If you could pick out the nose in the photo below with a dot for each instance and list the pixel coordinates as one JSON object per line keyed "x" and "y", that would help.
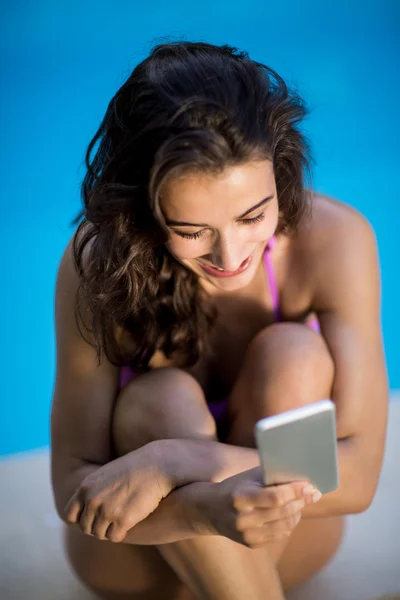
{"x": 228, "y": 252}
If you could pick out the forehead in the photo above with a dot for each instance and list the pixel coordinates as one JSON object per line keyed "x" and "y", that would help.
{"x": 235, "y": 190}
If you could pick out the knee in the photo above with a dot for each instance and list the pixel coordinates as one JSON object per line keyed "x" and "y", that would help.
{"x": 292, "y": 363}
{"x": 163, "y": 403}
{"x": 300, "y": 346}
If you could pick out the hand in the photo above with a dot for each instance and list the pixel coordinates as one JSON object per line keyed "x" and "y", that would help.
{"x": 119, "y": 494}
{"x": 246, "y": 511}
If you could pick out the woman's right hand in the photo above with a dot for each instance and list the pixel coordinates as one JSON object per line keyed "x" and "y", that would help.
{"x": 245, "y": 511}
{"x": 120, "y": 494}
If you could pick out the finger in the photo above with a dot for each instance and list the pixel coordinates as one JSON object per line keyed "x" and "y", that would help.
{"x": 260, "y": 516}
{"x": 303, "y": 488}
{"x": 116, "y": 533}
{"x": 112, "y": 527}
{"x": 87, "y": 517}
{"x": 287, "y": 492}
{"x": 256, "y": 496}
{"x": 256, "y": 537}
{"x": 73, "y": 509}
{"x": 282, "y": 526}
{"x": 100, "y": 526}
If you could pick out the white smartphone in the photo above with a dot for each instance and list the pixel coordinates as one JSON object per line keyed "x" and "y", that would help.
{"x": 300, "y": 444}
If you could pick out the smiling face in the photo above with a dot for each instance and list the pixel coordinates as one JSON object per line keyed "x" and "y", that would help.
{"x": 219, "y": 224}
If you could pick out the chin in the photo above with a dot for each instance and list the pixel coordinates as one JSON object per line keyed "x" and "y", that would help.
{"x": 230, "y": 288}
{"x": 231, "y": 284}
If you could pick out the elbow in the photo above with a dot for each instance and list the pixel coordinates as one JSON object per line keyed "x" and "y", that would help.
{"x": 360, "y": 505}
{"x": 361, "y": 498}
{"x": 361, "y": 473}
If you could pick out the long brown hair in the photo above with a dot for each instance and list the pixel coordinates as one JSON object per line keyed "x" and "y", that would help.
{"x": 187, "y": 107}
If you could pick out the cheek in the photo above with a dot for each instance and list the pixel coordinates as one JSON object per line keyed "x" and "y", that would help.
{"x": 271, "y": 222}
{"x": 264, "y": 230}
{"x": 261, "y": 232}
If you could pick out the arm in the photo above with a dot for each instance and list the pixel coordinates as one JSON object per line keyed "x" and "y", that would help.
{"x": 83, "y": 398}
{"x": 348, "y": 305}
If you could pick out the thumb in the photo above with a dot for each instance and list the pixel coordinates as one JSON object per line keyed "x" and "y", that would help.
{"x": 295, "y": 489}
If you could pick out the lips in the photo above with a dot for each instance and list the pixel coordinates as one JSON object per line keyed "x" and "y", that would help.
{"x": 215, "y": 272}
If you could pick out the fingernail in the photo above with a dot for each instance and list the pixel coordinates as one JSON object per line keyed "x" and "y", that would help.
{"x": 316, "y": 496}
{"x": 308, "y": 489}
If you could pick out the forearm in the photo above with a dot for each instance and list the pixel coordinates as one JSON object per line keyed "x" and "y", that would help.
{"x": 198, "y": 460}
{"x": 352, "y": 495}
{"x": 179, "y": 516}
{"x": 188, "y": 461}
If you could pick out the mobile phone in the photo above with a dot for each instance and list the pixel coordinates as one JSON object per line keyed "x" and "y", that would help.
{"x": 300, "y": 444}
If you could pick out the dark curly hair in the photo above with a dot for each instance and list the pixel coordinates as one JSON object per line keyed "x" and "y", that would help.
{"x": 187, "y": 107}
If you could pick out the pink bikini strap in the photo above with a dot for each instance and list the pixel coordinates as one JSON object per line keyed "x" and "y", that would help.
{"x": 271, "y": 278}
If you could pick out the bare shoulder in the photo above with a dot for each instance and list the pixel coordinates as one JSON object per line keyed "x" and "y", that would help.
{"x": 338, "y": 247}
{"x": 68, "y": 283}
{"x": 333, "y": 233}
{"x": 67, "y": 269}
{"x": 333, "y": 224}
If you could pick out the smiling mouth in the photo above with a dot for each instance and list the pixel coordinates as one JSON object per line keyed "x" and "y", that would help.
{"x": 219, "y": 272}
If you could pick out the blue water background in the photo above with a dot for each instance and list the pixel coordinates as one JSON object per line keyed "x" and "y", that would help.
{"x": 60, "y": 64}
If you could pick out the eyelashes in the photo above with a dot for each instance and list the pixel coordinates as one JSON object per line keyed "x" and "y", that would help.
{"x": 198, "y": 234}
{"x": 190, "y": 236}
{"x": 257, "y": 219}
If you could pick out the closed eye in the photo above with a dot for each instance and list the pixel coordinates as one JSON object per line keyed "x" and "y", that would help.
{"x": 256, "y": 219}
{"x": 190, "y": 236}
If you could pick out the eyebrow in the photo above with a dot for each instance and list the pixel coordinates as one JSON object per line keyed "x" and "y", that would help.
{"x": 250, "y": 210}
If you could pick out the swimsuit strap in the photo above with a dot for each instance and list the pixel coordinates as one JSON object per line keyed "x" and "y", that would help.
{"x": 271, "y": 278}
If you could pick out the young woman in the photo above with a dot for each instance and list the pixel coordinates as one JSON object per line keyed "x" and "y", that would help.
{"x": 205, "y": 288}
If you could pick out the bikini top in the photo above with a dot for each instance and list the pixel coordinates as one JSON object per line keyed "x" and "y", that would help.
{"x": 271, "y": 278}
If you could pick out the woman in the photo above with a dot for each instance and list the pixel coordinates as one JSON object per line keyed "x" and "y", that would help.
{"x": 205, "y": 288}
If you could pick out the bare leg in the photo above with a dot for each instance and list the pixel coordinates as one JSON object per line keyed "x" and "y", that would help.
{"x": 121, "y": 571}
{"x": 288, "y": 366}
{"x": 170, "y": 404}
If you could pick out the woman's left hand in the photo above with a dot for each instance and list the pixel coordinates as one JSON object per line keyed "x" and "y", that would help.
{"x": 120, "y": 494}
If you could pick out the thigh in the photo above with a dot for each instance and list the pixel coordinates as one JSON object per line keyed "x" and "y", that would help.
{"x": 121, "y": 571}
